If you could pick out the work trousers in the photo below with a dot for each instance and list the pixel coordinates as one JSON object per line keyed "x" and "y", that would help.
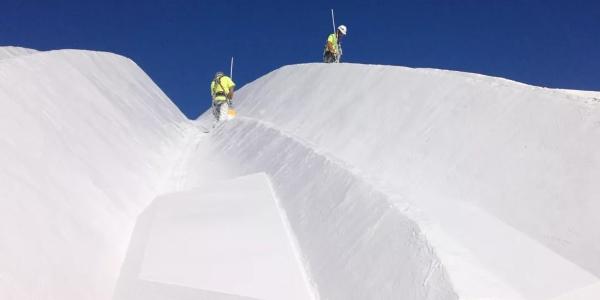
{"x": 220, "y": 109}
{"x": 328, "y": 57}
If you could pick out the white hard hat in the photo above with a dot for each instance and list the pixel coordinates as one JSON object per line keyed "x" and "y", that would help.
{"x": 342, "y": 29}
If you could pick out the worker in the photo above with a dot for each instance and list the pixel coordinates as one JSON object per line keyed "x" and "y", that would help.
{"x": 221, "y": 90}
{"x": 333, "y": 48}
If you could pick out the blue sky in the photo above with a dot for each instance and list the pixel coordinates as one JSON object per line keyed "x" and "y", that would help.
{"x": 181, "y": 44}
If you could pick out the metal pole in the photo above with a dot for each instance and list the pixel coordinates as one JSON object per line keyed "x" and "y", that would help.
{"x": 333, "y": 20}
{"x": 339, "y": 45}
{"x": 231, "y": 69}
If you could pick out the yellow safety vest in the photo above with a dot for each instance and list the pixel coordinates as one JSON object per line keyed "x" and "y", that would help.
{"x": 220, "y": 87}
{"x": 332, "y": 38}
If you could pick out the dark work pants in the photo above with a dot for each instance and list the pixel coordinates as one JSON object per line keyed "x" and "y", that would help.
{"x": 328, "y": 57}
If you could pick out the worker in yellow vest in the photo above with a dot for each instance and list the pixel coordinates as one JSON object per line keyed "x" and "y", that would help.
{"x": 221, "y": 90}
{"x": 333, "y": 48}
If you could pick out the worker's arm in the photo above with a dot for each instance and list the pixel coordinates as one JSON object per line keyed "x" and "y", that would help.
{"x": 231, "y": 86}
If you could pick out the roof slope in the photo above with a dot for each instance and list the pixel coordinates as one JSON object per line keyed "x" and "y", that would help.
{"x": 85, "y": 139}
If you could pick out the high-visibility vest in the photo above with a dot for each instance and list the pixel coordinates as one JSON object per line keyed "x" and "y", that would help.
{"x": 332, "y": 38}
{"x": 220, "y": 87}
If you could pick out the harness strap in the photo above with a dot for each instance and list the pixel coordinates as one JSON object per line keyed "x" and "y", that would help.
{"x": 218, "y": 81}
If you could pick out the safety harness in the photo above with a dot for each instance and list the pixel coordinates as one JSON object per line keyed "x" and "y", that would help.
{"x": 218, "y": 81}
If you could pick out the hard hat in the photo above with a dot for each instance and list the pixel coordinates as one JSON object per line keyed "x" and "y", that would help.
{"x": 219, "y": 74}
{"x": 342, "y": 29}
